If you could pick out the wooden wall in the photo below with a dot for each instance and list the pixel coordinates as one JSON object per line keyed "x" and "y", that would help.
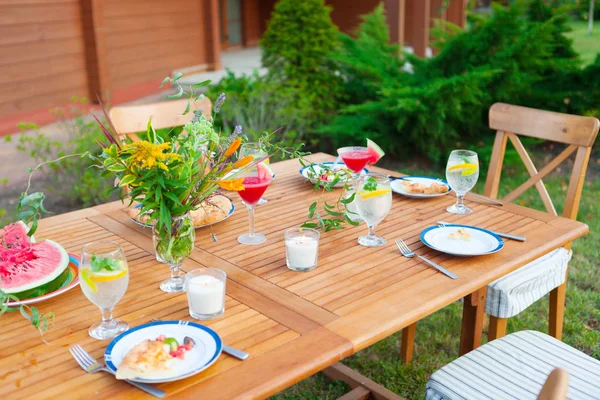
{"x": 346, "y": 14}
{"x": 42, "y": 61}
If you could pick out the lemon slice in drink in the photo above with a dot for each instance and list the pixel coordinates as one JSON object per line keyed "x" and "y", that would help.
{"x": 465, "y": 168}
{"x": 367, "y": 195}
{"x": 107, "y": 276}
{"x": 85, "y": 275}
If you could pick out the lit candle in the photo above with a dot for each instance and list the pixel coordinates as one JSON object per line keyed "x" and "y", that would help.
{"x": 302, "y": 249}
{"x": 206, "y": 293}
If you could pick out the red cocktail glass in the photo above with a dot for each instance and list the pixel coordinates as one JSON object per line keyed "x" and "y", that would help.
{"x": 255, "y": 184}
{"x": 356, "y": 158}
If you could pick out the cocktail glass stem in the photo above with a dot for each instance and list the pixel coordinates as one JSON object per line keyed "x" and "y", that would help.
{"x": 251, "y": 220}
{"x": 460, "y": 201}
{"x": 371, "y": 231}
{"x": 107, "y": 318}
{"x": 175, "y": 283}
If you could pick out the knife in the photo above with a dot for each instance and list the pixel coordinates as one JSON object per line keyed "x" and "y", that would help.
{"x": 501, "y": 234}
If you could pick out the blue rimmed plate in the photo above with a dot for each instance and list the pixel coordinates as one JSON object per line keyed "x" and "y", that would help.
{"x": 313, "y": 173}
{"x": 204, "y": 353}
{"x": 482, "y": 241}
{"x": 398, "y": 186}
{"x": 70, "y": 282}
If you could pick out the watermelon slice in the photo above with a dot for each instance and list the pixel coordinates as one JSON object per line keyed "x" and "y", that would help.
{"x": 29, "y": 269}
{"x": 375, "y": 151}
{"x": 264, "y": 171}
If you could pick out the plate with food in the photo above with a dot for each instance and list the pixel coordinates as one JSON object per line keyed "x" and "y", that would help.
{"x": 461, "y": 240}
{"x": 327, "y": 172}
{"x": 163, "y": 351}
{"x": 34, "y": 271}
{"x": 213, "y": 210}
{"x": 420, "y": 186}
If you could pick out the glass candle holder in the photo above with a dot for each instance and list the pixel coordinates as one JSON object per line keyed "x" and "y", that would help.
{"x": 301, "y": 249}
{"x": 205, "y": 288}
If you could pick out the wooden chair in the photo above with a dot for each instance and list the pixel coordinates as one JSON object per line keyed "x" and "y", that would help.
{"x": 579, "y": 133}
{"x": 128, "y": 120}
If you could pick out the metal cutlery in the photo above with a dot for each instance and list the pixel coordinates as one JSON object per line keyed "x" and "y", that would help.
{"x": 232, "y": 351}
{"x": 89, "y": 364}
{"x": 406, "y": 252}
{"x": 501, "y": 234}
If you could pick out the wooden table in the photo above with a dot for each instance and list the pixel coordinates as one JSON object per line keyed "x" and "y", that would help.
{"x": 293, "y": 324}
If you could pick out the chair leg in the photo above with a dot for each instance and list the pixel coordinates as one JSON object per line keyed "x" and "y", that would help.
{"x": 497, "y": 328}
{"x": 408, "y": 343}
{"x": 557, "y": 311}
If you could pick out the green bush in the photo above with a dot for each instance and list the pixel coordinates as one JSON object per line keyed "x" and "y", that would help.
{"x": 518, "y": 55}
{"x": 297, "y": 44}
{"x": 73, "y": 179}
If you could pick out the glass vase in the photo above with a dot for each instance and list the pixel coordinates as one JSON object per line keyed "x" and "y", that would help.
{"x": 173, "y": 245}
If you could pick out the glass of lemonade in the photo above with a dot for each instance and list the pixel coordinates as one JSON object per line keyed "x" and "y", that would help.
{"x": 256, "y": 150}
{"x": 104, "y": 276}
{"x": 373, "y": 202}
{"x": 462, "y": 172}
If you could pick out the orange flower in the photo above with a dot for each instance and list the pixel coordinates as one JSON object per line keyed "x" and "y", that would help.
{"x": 242, "y": 162}
{"x": 234, "y": 185}
{"x": 233, "y": 147}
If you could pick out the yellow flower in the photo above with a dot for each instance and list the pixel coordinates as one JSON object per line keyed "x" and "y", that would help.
{"x": 242, "y": 162}
{"x": 232, "y": 184}
{"x": 233, "y": 147}
{"x": 147, "y": 155}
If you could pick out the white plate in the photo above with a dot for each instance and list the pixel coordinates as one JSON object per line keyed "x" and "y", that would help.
{"x": 204, "y": 353}
{"x": 317, "y": 169}
{"x": 482, "y": 241}
{"x": 399, "y": 188}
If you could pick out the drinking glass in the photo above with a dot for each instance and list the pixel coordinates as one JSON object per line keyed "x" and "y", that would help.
{"x": 373, "y": 202}
{"x": 104, "y": 276}
{"x": 205, "y": 288}
{"x": 462, "y": 172}
{"x": 301, "y": 249}
{"x": 355, "y": 157}
{"x": 256, "y": 150}
{"x": 255, "y": 185}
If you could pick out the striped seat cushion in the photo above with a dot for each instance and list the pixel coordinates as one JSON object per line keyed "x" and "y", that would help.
{"x": 511, "y": 294}
{"x": 515, "y": 367}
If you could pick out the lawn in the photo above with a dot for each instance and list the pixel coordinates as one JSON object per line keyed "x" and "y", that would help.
{"x": 588, "y": 46}
{"x": 438, "y": 335}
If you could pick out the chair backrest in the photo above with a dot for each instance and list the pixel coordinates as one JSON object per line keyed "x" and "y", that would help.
{"x": 130, "y": 119}
{"x": 556, "y": 386}
{"x": 579, "y": 133}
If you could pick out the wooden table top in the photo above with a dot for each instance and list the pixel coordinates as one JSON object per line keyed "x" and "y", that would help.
{"x": 292, "y": 324}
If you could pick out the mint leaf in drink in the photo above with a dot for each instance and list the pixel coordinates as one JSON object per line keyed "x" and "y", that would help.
{"x": 370, "y": 184}
{"x": 107, "y": 264}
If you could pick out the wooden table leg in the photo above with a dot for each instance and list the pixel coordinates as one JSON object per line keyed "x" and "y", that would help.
{"x": 472, "y": 321}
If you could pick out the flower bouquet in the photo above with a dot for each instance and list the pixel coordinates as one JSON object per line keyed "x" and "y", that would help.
{"x": 170, "y": 174}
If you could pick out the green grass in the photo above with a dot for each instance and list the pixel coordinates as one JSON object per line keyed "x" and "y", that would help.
{"x": 588, "y": 46}
{"x": 438, "y": 335}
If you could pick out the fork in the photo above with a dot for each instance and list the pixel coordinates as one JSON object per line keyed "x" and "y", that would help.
{"x": 89, "y": 364}
{"x": 406, "y": 252}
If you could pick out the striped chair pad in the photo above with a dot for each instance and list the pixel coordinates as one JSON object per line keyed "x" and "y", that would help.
{"x": 515, "y": 367}
{"x": 511, "y": 294}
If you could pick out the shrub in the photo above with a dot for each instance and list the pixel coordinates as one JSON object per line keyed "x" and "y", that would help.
{"x": 73, "y": 178}
{"x": 518, "y": 55}
{"x": 296, "y": 47}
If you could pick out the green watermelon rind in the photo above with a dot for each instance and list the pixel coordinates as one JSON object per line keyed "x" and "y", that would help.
{"x": 44, "y": 289}
{"x": 44, "y": 284}
{"x": 375, "y": 151}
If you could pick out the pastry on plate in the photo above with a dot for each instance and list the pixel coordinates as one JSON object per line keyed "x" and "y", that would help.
{"x": 422, "y": 188}
{"x": 147, "y": 359}
{"x": 460, "y": 234}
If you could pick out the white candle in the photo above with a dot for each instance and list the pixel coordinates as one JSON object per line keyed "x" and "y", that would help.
{"x": 206, "y": 294}
{"x": 302, "y": 252}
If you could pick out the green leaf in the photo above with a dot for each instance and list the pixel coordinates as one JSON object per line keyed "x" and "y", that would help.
{"x": 187, "y": 109}
{"x": 201, "y": 84}
{"x": 348, "y": 200}
{"x": 333, "y": 213}
{"x": 348, "y": 220}
{"x": 176, "y": 95}
{"x": 177, "y": 76}
{"x": 164, "y": 81}
{"x": 328, "y": 206}
{"x": 126, "y": 180}
{"x": 310, "y": 225}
